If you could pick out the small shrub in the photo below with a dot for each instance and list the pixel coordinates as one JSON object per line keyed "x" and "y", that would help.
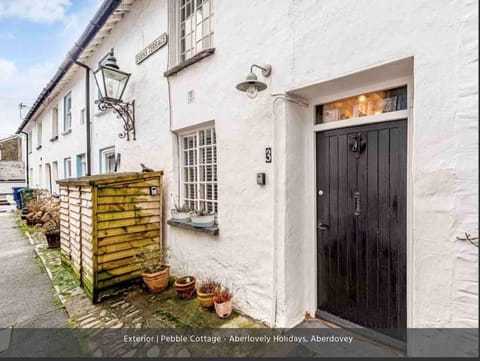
{"x": 209, "y": 286}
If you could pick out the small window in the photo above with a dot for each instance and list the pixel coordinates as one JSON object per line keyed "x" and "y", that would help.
{"x": 40, "y": 175}
{"x": 29, "y": 142}
{"x": 67, "y": 167}
{"x": 39, "y": 135}
{"x": 368, "y": 104}
{"x": 195, "y": 27}
{"x": 81, "y": 165}
{"x": 107, "y": 160}
{"x": 199, "y": 174}
{"x": 82, "y": 116}
{"x": 54, "y": 122}
{"x": 67, "y": 112}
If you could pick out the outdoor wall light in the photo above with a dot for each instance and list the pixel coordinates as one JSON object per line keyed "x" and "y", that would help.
{"x": 252, "y": 85}
{"x": 111, "y": 83}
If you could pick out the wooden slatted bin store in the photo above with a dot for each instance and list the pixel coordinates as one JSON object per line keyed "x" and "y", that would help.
{"x": 104, "y": 220}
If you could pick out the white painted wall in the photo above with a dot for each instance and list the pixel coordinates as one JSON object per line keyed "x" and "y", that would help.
{"x": 307, "y": 42}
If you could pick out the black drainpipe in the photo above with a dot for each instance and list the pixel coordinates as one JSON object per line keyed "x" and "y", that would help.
{"x": 87, "y": 115}
{"x": 26, "y": 159}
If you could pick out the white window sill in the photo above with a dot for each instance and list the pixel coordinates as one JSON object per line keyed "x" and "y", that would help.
{"x": 67, "y": 132}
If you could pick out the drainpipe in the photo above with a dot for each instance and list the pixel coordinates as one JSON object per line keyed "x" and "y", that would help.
{"x": 87, "y": 115}
{"x": 26, "y": 159}
{"x": 50, "y": 177}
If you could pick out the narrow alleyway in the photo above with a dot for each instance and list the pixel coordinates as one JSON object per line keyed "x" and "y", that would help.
{"x": 25, "y": 290}
{"x": 26, "y": 299}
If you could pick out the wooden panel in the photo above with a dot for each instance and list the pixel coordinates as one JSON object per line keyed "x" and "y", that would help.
{"x": 119, "y": 279}
{"x": 124, "y": 191}
{"x": 107, "y": 208}
{"x": 126, "y": 230}
{"x": 127, "y": 214}
{"x": 116, "y": 255}
{"x": 127, "y": 199}
{"x": 362, "y": 252}
{"x": 114, "y": 273}
{"x": 154, "y": 182}
{"x": 107, "y": 219}
{"x": 127, "y": 222}
{"x": 128, "y": 237}
{"x": 114, "y": 264}
{"x": 127, "y": 245}
{"x": 372, "y": 229}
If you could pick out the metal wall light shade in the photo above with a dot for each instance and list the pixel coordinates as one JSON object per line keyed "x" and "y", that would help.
{"x": 251, "y": 86}
{"x": 111, "y": 83}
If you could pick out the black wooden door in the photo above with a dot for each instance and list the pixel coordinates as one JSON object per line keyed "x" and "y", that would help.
{"x": 361, "y": 215}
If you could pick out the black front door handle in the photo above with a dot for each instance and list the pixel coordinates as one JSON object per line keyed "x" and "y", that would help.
{"x": 322, "y": 226}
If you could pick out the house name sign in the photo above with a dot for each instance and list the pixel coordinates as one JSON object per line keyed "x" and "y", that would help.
{"x": 155, "y": 45}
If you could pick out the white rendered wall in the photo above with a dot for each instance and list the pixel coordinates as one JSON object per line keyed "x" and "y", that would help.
{"x": 306, "y": 42}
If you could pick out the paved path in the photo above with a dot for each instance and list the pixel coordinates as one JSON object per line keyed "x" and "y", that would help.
{"x": 26, "y": 296}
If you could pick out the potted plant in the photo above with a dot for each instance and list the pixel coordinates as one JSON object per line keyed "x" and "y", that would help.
{"x": 180, "y": 214}
{"x": 24, "y": 213}
{"x": 185, "y": 287}
{"x": 206, "y": 291}
{"x": 203, "y": 218}
{"x": 52, "y": 233}
{"x": 223, "y": 302}
{"x": 151, "y": 261}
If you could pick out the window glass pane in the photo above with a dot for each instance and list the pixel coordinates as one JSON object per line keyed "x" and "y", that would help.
{"x": 199, "y": 174}
{"x": 374, "y": 103}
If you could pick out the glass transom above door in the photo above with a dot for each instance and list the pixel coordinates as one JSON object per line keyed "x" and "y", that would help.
{"x": 361, "y": 105}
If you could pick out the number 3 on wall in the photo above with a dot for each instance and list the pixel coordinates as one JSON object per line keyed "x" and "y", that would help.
{"x": 268, "y": 155}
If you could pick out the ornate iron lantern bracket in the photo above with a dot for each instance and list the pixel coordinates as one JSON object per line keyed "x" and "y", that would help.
{"x": 124, "y": 111}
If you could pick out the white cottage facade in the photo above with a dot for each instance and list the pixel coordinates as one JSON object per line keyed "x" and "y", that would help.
{"x": 275, "y": 240}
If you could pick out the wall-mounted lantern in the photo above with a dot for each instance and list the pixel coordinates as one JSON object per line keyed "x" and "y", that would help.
{"x": 111, "y": 83}
{"x": 252, "y": 85}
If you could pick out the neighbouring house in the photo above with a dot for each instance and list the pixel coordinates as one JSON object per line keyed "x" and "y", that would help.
{"x": 339, "y": 190}
{"x": 12, "y": 168}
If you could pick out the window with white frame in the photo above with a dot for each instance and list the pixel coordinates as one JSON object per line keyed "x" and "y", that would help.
{"x": 195, "y": 27}
{"x": 39, "y": 135}
{"x": 82, "y": 116}
{"x": 54, "y": 122}
{"x": 199, "y": 163}
{"x": 107, "y": 160}
{"x": 67, "y": 167}
{"x": 67, "y": 112}
{"x": 29, "y": 142}
{"x": 81, "y": 165}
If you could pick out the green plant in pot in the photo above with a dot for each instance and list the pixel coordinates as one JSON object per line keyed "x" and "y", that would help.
{"x": 205, "y": 292}
{"x": 52, "y": 233}
{"x": 151, "y": 261}
{"x": 202, "y": 218}
{"x": 180, "y": 214}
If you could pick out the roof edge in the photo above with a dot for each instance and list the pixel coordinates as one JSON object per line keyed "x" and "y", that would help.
{"x": 95, "y": 24}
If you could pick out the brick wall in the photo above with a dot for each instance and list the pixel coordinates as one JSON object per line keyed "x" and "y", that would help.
{"x": 11, "y": 149}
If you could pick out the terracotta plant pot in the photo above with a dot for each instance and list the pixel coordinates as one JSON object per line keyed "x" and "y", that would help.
{"x": 223, "y": 310}
{"x": 206, "y": 299}
{"x": 185, "y": 287}
{"x": 53, "y": 238}
{"x": 158, "y": 281}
